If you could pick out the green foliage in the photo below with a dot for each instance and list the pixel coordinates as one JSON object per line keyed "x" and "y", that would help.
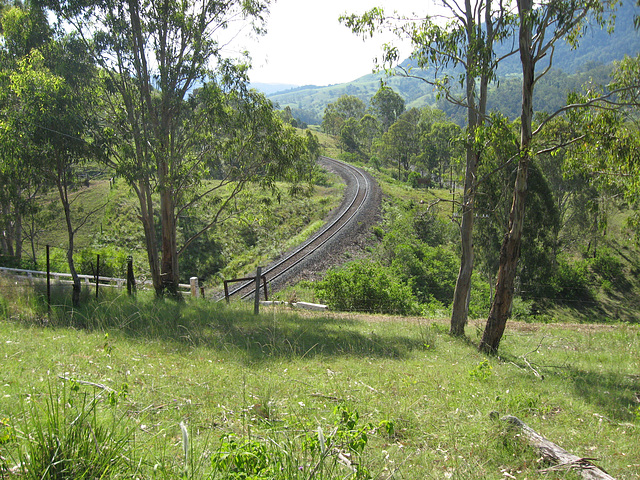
{"x": 431, "y": 271}
{"x": 413, "y": 178}
{"x": 205, "y": 255}
{"x": 482, "y": 371}
{"x": 415, "y": 246}
{"x": 317, "y": 452}
{"x": 72, "y": 434}
{"x": 387, "y": 106}
{"x": 7, "y": 432}
{"x": 606, "y": 265}
{"x": 243, "y": 459}
{"x": 337, "y": 113}
{"x": 366, "y": 287}
{"x": 113, "y": 262}
{"x": 570, "y": 281}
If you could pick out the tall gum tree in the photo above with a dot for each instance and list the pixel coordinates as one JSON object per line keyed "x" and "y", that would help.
{"x": 540, "y": 26}
{"x": 154, "y": 57}
{"x": 22, "y": 29}
{"x": 463, "y": 41}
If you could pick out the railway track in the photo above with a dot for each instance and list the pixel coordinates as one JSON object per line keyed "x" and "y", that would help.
{"x": 357, "y": 198}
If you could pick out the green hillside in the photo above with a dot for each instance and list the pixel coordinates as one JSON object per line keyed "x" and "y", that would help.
{"x": 571, "y": 68}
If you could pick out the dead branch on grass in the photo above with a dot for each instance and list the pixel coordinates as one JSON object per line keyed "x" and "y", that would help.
{"x": 556, "y": 455}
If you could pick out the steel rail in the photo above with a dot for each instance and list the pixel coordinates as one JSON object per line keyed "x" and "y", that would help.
{"x": 350, "y": 207}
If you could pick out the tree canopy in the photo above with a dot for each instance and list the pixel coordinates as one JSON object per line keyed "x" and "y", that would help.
{"x": 173, "y": 101}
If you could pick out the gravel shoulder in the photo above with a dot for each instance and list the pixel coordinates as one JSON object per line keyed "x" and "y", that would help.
{"x": 350, "y": 243}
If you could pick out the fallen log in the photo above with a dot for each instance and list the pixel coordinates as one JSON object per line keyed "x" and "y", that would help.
{"x": 559, "y": 457}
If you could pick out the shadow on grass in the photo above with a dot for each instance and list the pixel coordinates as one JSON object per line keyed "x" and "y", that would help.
{"x": 235, "y": 330}
{"x": 614, "y": 394}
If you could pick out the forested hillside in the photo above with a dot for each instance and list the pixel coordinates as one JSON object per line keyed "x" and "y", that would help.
{"x": 597, "y": 50}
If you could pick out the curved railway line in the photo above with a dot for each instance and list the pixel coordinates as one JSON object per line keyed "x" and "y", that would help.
{"x": 361, "y": 195}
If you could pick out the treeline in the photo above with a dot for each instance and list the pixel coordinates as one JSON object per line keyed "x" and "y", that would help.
{"x": 421, "y": 145}
{"x": 565, "y": 257}
{"x": 147, "y": 95}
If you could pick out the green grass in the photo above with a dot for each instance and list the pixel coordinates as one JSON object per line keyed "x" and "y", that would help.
{"x": 396, "y": 396}
{"x": 262, "y": 229}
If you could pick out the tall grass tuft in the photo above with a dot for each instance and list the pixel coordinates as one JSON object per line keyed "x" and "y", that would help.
{"x": 70, "y": 434}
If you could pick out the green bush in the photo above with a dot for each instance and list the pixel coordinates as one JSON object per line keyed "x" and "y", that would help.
{"x": 570, "y": 281}
{"x": 480, "y": 301}
{"x": 113, "y": 263}
{"x": 413, "y": 178}
{"x": 431, "y": 271}
{"x": 606, "y": 265}
{"x": 366, "y": 287}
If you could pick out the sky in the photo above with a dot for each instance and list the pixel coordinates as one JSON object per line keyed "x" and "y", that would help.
{"x": 307, "y": 45}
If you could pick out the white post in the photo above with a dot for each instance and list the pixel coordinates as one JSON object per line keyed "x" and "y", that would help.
{"x": 195, "y": 291}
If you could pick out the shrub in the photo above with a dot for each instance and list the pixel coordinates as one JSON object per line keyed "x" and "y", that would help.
{"x": 413, "y": 179}
{"x": 366, "y": 287}
{"x": 113, "y": 263}
{"x": 431, "y": 271}
{"x": 571, "y": 281}
{"x": 607, "y": 266}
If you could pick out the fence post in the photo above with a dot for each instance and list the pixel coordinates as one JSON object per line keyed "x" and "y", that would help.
{"x": 48, "y": 280}
{"x": 131, "y": 281}
{"x": 97, "y": 274}
{"x": 256, "y": 303}
{"x": 193, "y": 281}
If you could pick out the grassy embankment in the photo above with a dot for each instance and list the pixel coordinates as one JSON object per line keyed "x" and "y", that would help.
{"x": 263, "y": 229}
{"x": 396, "y": 396}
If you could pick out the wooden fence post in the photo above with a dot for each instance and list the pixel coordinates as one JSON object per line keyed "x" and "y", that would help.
{"x": 131, "y": 281}
{"x": 97, "y": 274}
{"x": 256, "y": 303}
{"x": 48, "y": 280}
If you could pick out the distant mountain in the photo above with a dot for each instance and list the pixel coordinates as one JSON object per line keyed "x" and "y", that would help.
{"x": 597, "y": 48}
{"x": 272, "y": 88}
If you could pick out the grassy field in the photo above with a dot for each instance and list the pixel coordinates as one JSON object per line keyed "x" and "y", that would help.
{"x": 289, "y": 394}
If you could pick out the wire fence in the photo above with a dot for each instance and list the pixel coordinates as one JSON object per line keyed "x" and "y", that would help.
{"x": 32, "y": 277}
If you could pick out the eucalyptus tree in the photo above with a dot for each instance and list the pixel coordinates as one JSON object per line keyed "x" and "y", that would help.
{"x": 387, "y": 106}
{"x": 22, "y": 29}
{"x": 370, "y": 128}
{"x": 338, "y": 112}
{"x": 47, "y": 103}
{"x": 463, "y": 42}
{"x": 162, "y": 136}
{"x": 55, "y": 113}
{"x": 541, "y": 24}
{"x": 401, "y": 143}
